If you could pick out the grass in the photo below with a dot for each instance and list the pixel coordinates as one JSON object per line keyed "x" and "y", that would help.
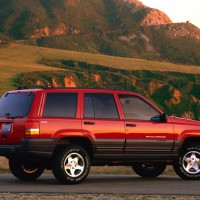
{"x": 18, "y": 58}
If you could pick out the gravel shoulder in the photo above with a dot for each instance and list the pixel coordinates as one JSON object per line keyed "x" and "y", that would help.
{"x": 31, "y": 196}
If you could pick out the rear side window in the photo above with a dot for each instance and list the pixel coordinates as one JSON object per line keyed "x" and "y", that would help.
{"x": 100, "y": 106}
{"x": 136, "y": 109}
{"x": 16, "y": 104}
{"x": 60, "y": 105}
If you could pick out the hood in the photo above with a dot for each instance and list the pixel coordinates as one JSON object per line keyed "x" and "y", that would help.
{"x": 183, "y": 121}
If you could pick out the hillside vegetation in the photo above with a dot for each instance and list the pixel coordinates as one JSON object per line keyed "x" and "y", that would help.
{"x": 177, "y": 93}
{"x": 161, "y": 82}
{"x": 114, "y": 27}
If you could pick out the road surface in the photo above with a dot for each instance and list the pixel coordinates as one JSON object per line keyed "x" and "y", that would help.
{"x": 103, "y": 184}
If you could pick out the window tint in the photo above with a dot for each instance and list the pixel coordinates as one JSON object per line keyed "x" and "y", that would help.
{"x": 88, "y": 106}
{"x": 16, "y": 105}
{"x": 60, "y": 105}
{"x": 136, "y": 109}
{"x": 100, "y": 106}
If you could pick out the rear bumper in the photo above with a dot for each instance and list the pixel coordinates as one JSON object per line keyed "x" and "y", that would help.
{"x": 35, "y": 147}
{"x": 7, "y": 150}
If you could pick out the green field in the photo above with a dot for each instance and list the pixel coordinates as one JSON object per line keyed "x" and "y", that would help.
{"x": 18, "y": 58}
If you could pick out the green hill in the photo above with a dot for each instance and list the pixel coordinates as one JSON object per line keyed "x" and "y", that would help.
{"x": 176, "y": 93}
{"x": 114, "y": 27}
{"x": 17, "y": 58}
{"x": 161, "y": 82}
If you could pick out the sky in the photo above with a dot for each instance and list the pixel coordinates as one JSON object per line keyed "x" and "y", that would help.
{"x": 178, "y": 10}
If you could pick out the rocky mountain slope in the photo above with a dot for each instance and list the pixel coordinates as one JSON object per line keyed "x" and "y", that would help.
{"x": 115, "y": 27}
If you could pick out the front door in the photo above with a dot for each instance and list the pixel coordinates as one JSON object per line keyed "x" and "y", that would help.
{"x": 145, "y": 136}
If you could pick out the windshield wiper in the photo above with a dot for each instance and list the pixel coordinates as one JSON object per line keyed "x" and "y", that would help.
{"x": 9, "y": 116}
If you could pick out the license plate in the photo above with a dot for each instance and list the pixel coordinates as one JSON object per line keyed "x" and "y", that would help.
{"x": 6, "y": 128}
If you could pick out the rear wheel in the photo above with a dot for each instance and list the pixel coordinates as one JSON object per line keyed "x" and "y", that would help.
{"x": 25, "y": 170}
{"x": 149, "y": 170}
{"x": 187, "y": 166}
{"x": 71, "y": 165}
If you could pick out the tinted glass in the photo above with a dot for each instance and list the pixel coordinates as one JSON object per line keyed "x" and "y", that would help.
{"x": 88, "y": 106}
{"x": 136, "y": 109}
{"x": 60, "y": 105}
{"x": 16, "y": 105}
{"x": 100, "y": 106}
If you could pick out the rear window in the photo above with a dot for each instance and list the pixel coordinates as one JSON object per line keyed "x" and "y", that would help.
{"x": 60, "y": 105}
{"x": 16, "y": 104}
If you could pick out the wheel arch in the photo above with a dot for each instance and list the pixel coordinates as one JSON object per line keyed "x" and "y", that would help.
{"x": 83, "y": 142}
{"x": 188, "y": 141}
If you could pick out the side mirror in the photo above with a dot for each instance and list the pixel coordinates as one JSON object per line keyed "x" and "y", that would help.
{"x": 163, "y": 117}
{"x": 160, "y": 118}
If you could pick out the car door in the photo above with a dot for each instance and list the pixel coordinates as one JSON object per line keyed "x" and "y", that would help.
{"x": 146, "y": 135}
{"x": 102, "y": 122}
{"x": 60, "y": 115}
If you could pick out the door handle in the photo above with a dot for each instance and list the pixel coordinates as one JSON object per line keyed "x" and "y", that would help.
{"x": 89, "y": 123}
{"x": 131, "y": 125}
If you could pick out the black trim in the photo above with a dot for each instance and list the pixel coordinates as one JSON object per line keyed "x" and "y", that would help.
{"x": 109, "y": 145}
{"x": 177, "y": 147}
{"x": 39, "y": 147}
{"x": 149, "y": 147}
{"x": 8, "y": 150}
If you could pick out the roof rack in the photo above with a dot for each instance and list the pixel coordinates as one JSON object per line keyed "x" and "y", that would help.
{"x": 22, "y": 88}
{"x": 114, "y": 88}
{"x": 52, "y": 87}
{"x": 35, "y": 86}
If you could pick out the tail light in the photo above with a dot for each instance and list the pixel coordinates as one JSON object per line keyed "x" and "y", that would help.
{"x": 32, "y": 129}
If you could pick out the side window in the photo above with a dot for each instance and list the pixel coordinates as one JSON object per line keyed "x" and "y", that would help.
{"x": 88, "y": 106}
{"x": 100, "y": 106}
{"x": 60, "y": 105}
{"x": 136, "y": 109}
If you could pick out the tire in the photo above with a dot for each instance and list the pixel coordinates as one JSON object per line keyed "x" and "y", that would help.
{"x": 71, "y": 165}
{"x": 187, "y": 165}
{"x": 25, "y": 170}
{"x": 149, "y": 170}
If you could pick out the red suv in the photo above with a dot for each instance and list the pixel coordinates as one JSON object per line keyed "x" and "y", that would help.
{"x": 68, "y": 130}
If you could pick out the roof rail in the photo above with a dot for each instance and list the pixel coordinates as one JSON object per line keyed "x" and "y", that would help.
{"x": 35, "y": 86}
{"x": 52, "y": 87}
{"x": 114, "y": 88}
{"x": 22, "y": 88}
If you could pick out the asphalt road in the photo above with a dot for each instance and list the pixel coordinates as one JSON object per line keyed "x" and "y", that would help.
{"x": 103, "y": 184}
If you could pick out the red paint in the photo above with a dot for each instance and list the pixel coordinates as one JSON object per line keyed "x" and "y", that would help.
{"x": 172, "y": 129}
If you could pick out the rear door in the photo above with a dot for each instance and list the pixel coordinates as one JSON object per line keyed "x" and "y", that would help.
{"x": 60, "y": 115}
{"x": 102, "y": 121}
{"x": 145, "y": 137}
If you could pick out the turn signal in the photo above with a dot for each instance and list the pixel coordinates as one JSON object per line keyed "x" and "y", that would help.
{"x": 32, "y": 129}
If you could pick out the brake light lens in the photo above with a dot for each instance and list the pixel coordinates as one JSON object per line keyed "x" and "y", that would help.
{"x": 32, "y": 129}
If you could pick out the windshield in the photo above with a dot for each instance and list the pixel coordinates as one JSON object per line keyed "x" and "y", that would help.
{"x": 16, "y": 104}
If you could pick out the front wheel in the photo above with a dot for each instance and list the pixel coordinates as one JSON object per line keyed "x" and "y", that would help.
{"x": 149, "y": 170}
{"x": 187, "y": 165}
{"x": 71, "y": 165}
{"x": 25, "y": 170}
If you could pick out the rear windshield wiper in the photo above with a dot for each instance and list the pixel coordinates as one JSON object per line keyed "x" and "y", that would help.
{"x": 9, "y": 116}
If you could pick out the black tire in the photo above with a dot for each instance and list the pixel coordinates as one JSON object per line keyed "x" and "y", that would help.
{"x": 187, "y": 165}
{"x": 78, "y": 165}
{"x": 149, "y": 170}
{"x": 25, "y": 170}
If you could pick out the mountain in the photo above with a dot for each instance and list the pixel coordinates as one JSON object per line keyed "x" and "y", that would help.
{"x": 116, "y": 27}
